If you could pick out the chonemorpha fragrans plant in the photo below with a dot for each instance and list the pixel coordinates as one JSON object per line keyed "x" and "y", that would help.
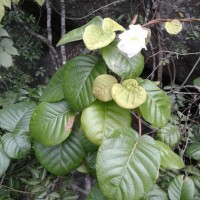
{"x": 85, "y": 118}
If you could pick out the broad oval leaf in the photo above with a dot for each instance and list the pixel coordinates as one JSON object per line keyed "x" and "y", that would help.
{"x": 95, "y": 38}
{"x": 62, "y": 158}
{"x": 54, "y": 90}
{"x": 77, "y": 34}
{"x": 5, "y": 160}
{"x": 120, "y": 64}
{"x": 193, "y": 150}
{"x": 102, "y": 87}
{"x": 169, "y": 160}
{"x": 181, "y": 188}
{"x": 101, "y": 118}
{"x": 17, "y": 144}
{"x": 157, "y": 108}
{"x": 17, "y": 116}
{"x": 79, "y": 78}
{"x": 11, "y": 50}
{"x": 127, "y": 166}
{"x": 173, "y": 27}
{"x": 95, "y": 194}
{"x": 5, "y": 59}
{"x": 51, "y": 123}
{"x": 128, "y": 94}
{"x": 169, "y": 134}
{"x": 3, "y": 33}
{"x": 110, "y": 25}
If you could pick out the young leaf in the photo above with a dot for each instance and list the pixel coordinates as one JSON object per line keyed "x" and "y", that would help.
{"x": 101, "y": 118}
{"x": 79, "y": 77}
{"x": 51, "y": 123}
{"x": 110, "y": 25}
{"x": 157, "y": 108}
{"x": 120, "y": 64}
{"x": 5, "y": 160}
{"x": 127, "y": 166}
{"x": 128, "y": 95}
{"x": 169, "y": 160}
{"x": 193, "y": 150}
{"x": 17, "y": 116}
{"x": 173, "y": 27}
{"x": 181, "y": 188}
{"x": 102, "y": 87}
{"x": 62, "y": 158}
{"x": 169, "y": 134}
{"x": 77, "y": 34}
{"x": 16, "y": 144}
{"x": 95, "y": 38}
{"x": 54, "y": 90}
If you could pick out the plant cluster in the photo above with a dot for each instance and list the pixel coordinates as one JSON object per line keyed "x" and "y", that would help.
{"x": 85, "y": 117}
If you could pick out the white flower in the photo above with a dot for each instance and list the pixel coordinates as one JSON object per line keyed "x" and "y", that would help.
{"x": 133, "y": 40}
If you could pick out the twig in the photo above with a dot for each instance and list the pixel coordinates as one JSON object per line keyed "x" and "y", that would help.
{"x": 42, "y": 38}
{"x": 18, "y": 191}
{"x": 78, "y": 189}
{"x": 139, "y": 125}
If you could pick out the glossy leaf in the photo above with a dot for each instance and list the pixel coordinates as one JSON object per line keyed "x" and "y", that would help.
{"x": 110, "y": 25}
{"x": 157, "y": 108}
{"x": 128, "y": 94}
{"x": 173, "y": 27}
{"x": 79, "y": 78}
{"x": 102, "y": 87}
{"x": 54, "y": 90}
{"x": 193, "y": 150}
{"x": 62, "y": 158}
{"x": 169, "y": 134}
{"x": 102, "y": 118}
{"x": 17, "y": 144}
{"x": 95, "y": 194}
{"x": 17, "y": 116}
{"x": 181, "y": 188}
{"x": 95, "y": 38}
{"x": 51, "y": 123}
{"x": 127, "y": 166}
{"x": 5, "y": 160}
{"x": 120, "y": 64}
{"x": 169, "y": 160}
{"x": 77, "y": 34}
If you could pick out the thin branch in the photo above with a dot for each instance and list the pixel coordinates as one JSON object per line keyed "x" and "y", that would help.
{"x": 78, "y": 189}
{"x": 63, "y": 30}
{"x": 139, "y": 125}
{"x": 42, "y": 38}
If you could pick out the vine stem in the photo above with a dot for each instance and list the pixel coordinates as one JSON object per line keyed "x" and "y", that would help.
{"x": 156, "y": 21}
{"x": 139, "y": 125}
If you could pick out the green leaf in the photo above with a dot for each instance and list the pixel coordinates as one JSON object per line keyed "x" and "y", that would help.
{"x": 169, "y": 160}
{"x": 5, "y": 160}
{"x": 62, "y": 158}
{"x": 95, "y": 38}
{"x": 11, "y": 50}
{"x": 90, "y": 160}
{"x": 102, "y": 87}
{"x": 95, "y": 194}
{"x": 40, "y": 2}
{"x": 193, "y": 150}
{"x": 128, "y": 94}
{"x": 156, "y": 193}
{"x": 157, "y": 108}
{"x": 79, "y": 78}
{"x": 110, "y": 25}
{"x": 169, "y": 134}
{"x": 2, "y": 11}
{"x": 181, "y": 188}
{"x": 3, "y": 33}
{"x": 101, "y": 118}
{"x": 54, "y": 90}
{"x": 6, "y": 3}
{"x": 77, "y": 34}
{"x": 196, "y": 81}
{"x": 17, "y": 116}
{"x": 127, "y": 166}
{"x": 5, "y": 59}
{"x": 16, "y": 1}
{"x": 16, "y": 144}
{"x": 6, "y": 42}
{"x": 120, "y": 64}
{"x": 51, "y": 123}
